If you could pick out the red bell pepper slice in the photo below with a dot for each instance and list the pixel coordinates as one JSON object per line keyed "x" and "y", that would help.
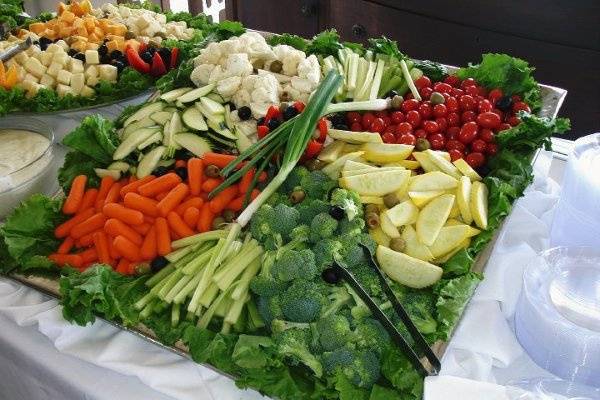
{"x": 323, "y": 129}
{"x": 299, "y": 106}
{"x": 272, "y": 112}
{"x": 313, "y": 149}
{"x": 158, "y": 66}
{"x": 134, "y": 59}
{"x": 174, "y": 57}
{"x": 262, "y": 131}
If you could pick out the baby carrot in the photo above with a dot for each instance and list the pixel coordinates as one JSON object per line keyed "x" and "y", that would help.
{"x": 206, "y": 219}
{"x": 195, "y": 168}
{"x": 133, "y": 186}
{"x": 142, "y": 229}
{"x": 180, "y": 163}
{"x": 145, "y": 205}
{"x": 220, "y": 160}
{"x": 105, "y": 185}
{"x": 236, "y": 204}
{"x": 178, "y": 226}
{"x": 246, "y": 180}
{"x": 160, "y": 184}
{"x": 193, "y": 202}
{"x": 149, "y": 220}
{"x": 101, "y": 245}
{"x": 190, "y": 216}
{"x": 85, "y": 240}
{"x": 262, "y": 177}
{"x": 89, "y": 255}
{"x": 112, "y": 252}
{"x": 115, "y": 228}
{"x": 172, "y": 200}
{"x": 254, "y": 194}
{"x": 73, "y": 260}
{"x": 148, "y": 249}
{"x": 123, "y": 266}
{"x": 75, "y": 196}
{"x": 163, "y": 238}
{"x": 126, "y": 248}
{"x": 220, "y": 201}
{"x": 126, "y": 215}
{"x": 211, "y": 183}
{"x": 88, "y": 201}
{"x": 113, "y": 194}
{"x": 64, "y": 229}
{"x": 90, "y": 225}
{"x": 161, "y": 196}
{"x": 66, "y": 246}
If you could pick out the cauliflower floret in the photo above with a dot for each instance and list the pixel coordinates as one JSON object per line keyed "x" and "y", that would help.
{"x": 310, "y": 69}
{"x": 259, "y": 109}
{"x": 249, "y": 82}
{"x": 230, "y": 46}
{"x": 289, "y": 57}
{"x": 291, "y": 93}
{"x": 201, "y": 74}
{"x": 241, "y": 97}
{"x": 302, "y": 84}
{"x": 227, "y": 87}
{"x": 209, "y": 55}
{"x": 237, "y": 65}
{"x": 216, "y": 74}
{"x": 248, "y": 38}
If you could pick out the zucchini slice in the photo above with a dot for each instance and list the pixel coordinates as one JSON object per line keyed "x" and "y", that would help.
{"x": 150, "y": 161}
{"x": 144, "y": 112}
{"x": 194, "y": 119}
{"x": 173, "y": 95}
{"x": 193, "y": 143}
{"x": 195, "y": 94}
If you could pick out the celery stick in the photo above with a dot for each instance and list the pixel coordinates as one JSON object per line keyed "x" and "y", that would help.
{"x": 189, "y": 288}
{"x": 368, "y": 105}
{"x": 160, "y": 285}
{"x": 160, "y": 275}
{"x": 209, "y": 295}
{"x": 226, "y": 328}
{"x": 369, "y": 55}
{"x": 175, "y": 311}
{"x": 236, "y": 308}
{"x": 209, "y": 313}
{"x": 352, "y": 71}
{"x": 409, "y": 80}
{"x": 206, "y": 275}
{"x": 177, "y": 288}
{"x": 179, "y": 253}
{"x": 223, "y": 307}
{"x": 196, "y": 264}
{"x": 362, "y": 93}
{"x": 145, "y": 313}
{"x": 244, "y": 281}
{"x": 199, "y": 238}
{"x": 226, "y": 278}
{"x": 170, "y": 283}
{"x": 232, "y": 235}
{"x": 377, "y": 80}
{"x": 143, "y": 302}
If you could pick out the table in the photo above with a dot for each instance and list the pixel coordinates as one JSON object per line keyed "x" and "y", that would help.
{"x": 32, "y": 368}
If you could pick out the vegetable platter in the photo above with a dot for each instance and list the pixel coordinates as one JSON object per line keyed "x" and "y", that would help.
{"x": 216, "y": 217}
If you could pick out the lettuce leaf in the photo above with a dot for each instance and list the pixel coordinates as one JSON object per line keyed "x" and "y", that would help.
{"x": 295, "y": 41}
{"x": 386, "y": 47}
{"x": 454, "y": 294}
{"x": 399, "y": 371}
{"x": 326, "y": 43}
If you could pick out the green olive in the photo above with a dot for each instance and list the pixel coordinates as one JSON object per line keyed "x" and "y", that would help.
{"x": 397, "y": 101}
{"x": 258, "y": 64}
{"x": 129, "y": 35}
{"x": 422, "y": 144}
{"x": 228, "y": 215}
{"x": 372, "y": 220}
{"x": 314, "y": 164}
{"x": 212, "y": 171}
{"x": 437, "y": 98}
{"x": 390, "y": 200}
{"x": 372, "y": 208}
{"x": 297, "y": 196}
{"x": 397, "y": 244}
{"x": 276, "y": 66}
{"x": 218, "y": 223}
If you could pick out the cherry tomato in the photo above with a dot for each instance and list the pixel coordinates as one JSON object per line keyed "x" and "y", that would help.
{"x": 378, "y": 125}
{"x": 451, "y": 104}
{"x": 436, "y": 136}
{"x": 431, "y": 126}
{"x": 475, "y": 159}
{"x": 478, "y": 145}
{"x": 487, "y": 135}
{"x": 454, "y": 154}
{"x": 381, "y": 114}
{"x": 397, "y": 117}
{"x": 414, "y": 118}
{"x": 313, "y": 149}
{"x": 456, "y": 92}
{"x": 409, "y": 105}
{"x": 468, "y": 132}
{"x": 423, "y": 82}
{"x": 426, "y": 92}
{"x": 425, "y": 110}
{"x": 390, "y": 128}
{"x": 488, "y": 120}
{"x": 453, "y": 144}
{"x": 484, "y": 106}
{"x": 515, "y": 98}
{"x": 403, "y": 127}
{"x": 498, "y": 113}
{"x": 353, "y": 117}
{"x": 442, "y": 123}
{"x": 503, "y": 126}
{"x": 442, "y": 87}
{"x": 356, "y": 127}
{"x": 452, "y": 132}
{"x": 387, "y": 121}
{"x": 436, "y": 144}
{"x": 453, "y": 119}
{"x": 466, "y": 102}
{"x": 491, "y": 149}
{"x": 408, "y": 138}
{"x": 468, "y": 116}
{"x": 367, "y": 119}
{"x": 452, "y": 80}
{"x": 420, "y": 133}
{"x": 495, "y": 95}
{"x": 481, "y": 91}
{"x": 299, "y": 106}
{"x": 513, "y": 121}
{"x": 388, "y": 137}
{"x": 520, "y": 106}
{"x": 440, "y": 110}
{"x": 472, "y": 90}
{"x": 408, "y": 96}
{"x": 468, "y": 82}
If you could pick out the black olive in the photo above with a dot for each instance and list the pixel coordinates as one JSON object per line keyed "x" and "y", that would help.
{"x": 105, "y": 59}
{"x": 337, "y": 212}
{"x": 146, "y": 56}
{"x": 261, "y": 121}
{"x": 181, "y": 172}
{"x": 45, "y": 41}
{"x": 103, "y": 50}
{"x": 290, "y": 113}
{"x": 391, "y": 94}
{"x": 160, "y": 171}
{"x": 337, "y": 119}
{"x": 331, "y": 275}
{"x": 183, "y": 154}
{"x": 342, "y": 127}
{"x": 232, "y": 106}
{"x": 504, "y": 103}
{"x": 36, "y": 43}
{"x": 119, "y": 64}
{"x": 484, "y": 170}
{"x": 79, "y": 56}
{"x": 245, "y": 113}
{"x": 273, "y": 124}
{"x": 43, "y": 46}
{"x": 116, "y": 54}
{"x": 151, "y": 50}
{"x": 72, "y": 52}
{"x": 165, "y": 54}
{"x": 158, "y": 263}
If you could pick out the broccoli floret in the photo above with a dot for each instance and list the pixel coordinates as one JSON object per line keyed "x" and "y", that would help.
{"x": 294, "y": 180}
{"x": 337, "y": 298}
{"x": 370, "y": 335}
{"x": 317, "y": 185}
{"x": 360, "y": 310}
{"x": 354, "y": 227}
{"x": 279, "y": 198}
{"x": 286, "y": 219}
{"x": 263, "y": 223}
{"x": 273, "y": 223}
{"x": 300, "y": 233}
{"x": 308, "y": 209}
{"x": 322, "y": 226}
{"x": 264, "y": 284}
{"x": 302, "y": 302}
{"x": 420, "y": 306}
{"x": 268, "y": 309}
{"x": 279, "y": 325}
{"x": 295, "y": 344}
{"x": 368, "y": 279}
{"x": 333, "y": 331}
{"x": 292, "y": 265}
{"x": 348, "y": 201}
{"x": 360, "y": 367}
{"x": 326, "y": 251}
{"x": 366, "y": 240}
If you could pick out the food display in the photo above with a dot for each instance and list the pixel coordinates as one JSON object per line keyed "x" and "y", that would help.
{"x": 220, "y": 213}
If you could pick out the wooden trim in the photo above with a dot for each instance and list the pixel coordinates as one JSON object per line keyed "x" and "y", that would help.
{"x": 164, "y": 4}
{"x": 195, "y": 6}
{"x": 231, "y": 10}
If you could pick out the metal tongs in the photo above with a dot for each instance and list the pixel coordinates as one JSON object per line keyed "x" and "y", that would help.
{"x": 429, "y": 367}
{"x": 13, "y": 51}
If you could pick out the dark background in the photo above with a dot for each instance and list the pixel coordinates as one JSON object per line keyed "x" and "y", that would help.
{"x": 560, "y": 38}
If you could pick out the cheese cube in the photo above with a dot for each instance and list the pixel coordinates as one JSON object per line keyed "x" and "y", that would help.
{"x": 92, "y": 81}
{"x": 92, "y": 57}
{"x": 30, "y": 78}
{"x": 31, "y": 87}
{"x": 91, "y": 71}
{"x": 21, "y": 57}
{"x": 33, "y": 50}
{"x": 63, "y": 90}
{"x": 46, "y": 58}
{"x": 48, "y": 81}
{"x": 77, "y": 82}
{"x": 108, "y": 72}
{"x": 54, "y": 69}
{"x": 92, "y": 46}
{"x": 53, "y": 48}
{"x": 76, "y": 66}
{"x": 60, "y": 58}
{"x": 64, "y": 77}
{"x": 87, "y": 91}
{"x": 35, "y": 67}
{"x": 63, "y": 45}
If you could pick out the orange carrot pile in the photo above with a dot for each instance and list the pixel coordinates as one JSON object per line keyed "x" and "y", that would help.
{"x": 129, "y": 222}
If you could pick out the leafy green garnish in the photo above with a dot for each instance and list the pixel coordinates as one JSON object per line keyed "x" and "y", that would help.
{"x": 295, "y": 41}
{"x": 453, "y": 297}
{"x": 326, "y": 43}
{"x": 386, "y": 47}
{"x": 434, "y": 70}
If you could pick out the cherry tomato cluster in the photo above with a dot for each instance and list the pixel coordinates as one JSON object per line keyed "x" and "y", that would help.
{"x": 458, "y": 116}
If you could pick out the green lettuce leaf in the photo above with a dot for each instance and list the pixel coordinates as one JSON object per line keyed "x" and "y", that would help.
{"x": 399, "y": 371}
{"x": 295, "y": 41}
{"x": 383, "y": 393}
{"x": 326, "y": 43}
{"x": 454, "y": 294}
{"x": 386, "y": 47}
{"x": 77, "y": 163}
{"x": 249, "y": 351}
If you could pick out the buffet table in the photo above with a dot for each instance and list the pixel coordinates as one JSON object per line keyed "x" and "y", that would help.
{"x": 44, "y": 355}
